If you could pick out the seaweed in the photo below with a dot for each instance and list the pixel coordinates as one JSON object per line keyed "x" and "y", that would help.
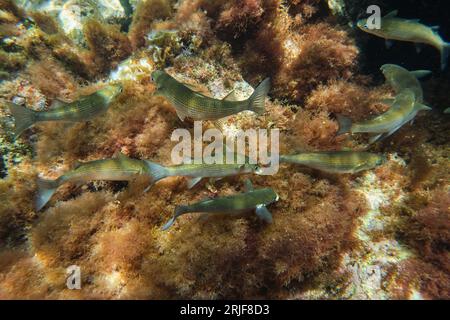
{"x": 107, "y": 45}
{"x": 146, "y": 13}
{"x": 112, "y": 230}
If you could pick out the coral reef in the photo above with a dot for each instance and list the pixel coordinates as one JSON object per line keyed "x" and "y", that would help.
{"x": 380, "y": 234}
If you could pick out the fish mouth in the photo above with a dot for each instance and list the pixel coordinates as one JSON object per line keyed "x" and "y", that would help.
{"x": 362, "y": 24}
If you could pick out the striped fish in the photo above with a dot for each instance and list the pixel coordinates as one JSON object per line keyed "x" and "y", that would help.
{"x": 400, "y": 78}
{"x": 196, "y": 106}
{"x": 120, "y": 168}
{"x": 395, "y": 28}
{"x": 251, "y": 199}
{"x": 196, "y": 172}
{"x": 403, "y": 110}
{"x": 337, "y": 161}
{"x": 83, "y": 109}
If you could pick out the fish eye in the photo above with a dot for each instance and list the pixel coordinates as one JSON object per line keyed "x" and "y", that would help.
{"x": 258, "y": 169}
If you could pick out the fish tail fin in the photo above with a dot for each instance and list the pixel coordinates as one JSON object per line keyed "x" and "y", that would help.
{"x": 258, "y": 98}
{"x": 23, "y": 118}
{"x": 156, "y": 171}
{"x": 179, "y": 210}
{"x": 46, "y": 189}
{"x": 445, "y": 52}
{"x": 345, "y": 124}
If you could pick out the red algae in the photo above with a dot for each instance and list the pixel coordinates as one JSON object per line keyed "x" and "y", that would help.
{"x": 112, "y": 230}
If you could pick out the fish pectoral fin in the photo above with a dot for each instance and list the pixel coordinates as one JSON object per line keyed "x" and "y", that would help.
{"x": 391, "y": 14}
{"x": 231, "y": 96}
{"x": 392, "y": 131}
{"x": 181, "y": 115}
{"x": 388, "y": 101}
{"x": 220, "y": 123}
{"x": 193, "y": 181}
{"x": 388, "y": 43}
{"x": 263, "y": 213}
{"x": 147, "y": 188}
{"x": 374, "y": 138}
{"x": 168, "y": 224}
{"x": 248, "y": 185}
{"x": 360, "y": 167}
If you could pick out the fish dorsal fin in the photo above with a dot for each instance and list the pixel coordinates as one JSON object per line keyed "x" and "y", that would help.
{"x": 391, "y": 14}
{"x": 435, "y": 28}
{"x": 198, "y": 89}
{"x": 414, "y": 20}
{"x": 248, "y": 185}
{"x": 420, "y": 106}
{"x": 121, "y": 156}
{"x": 77, "y": 164}
{"x": 419, "y": 74}
{"x": 231, "y": 96}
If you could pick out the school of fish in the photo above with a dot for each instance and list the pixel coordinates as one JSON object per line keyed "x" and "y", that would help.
{"x": 189, "y": 104}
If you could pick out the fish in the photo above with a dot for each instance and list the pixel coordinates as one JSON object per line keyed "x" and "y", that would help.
{"x": 403, "y": 110}
{"x": 400, "y": 78}
{"x": 196, "y": 106}
{"x": 196, "y": 172}
{"x": 83, "y": 109}
{"x": 393, "y": 27}
{"x": 336, "y": 161}
{"x": 251, "y": 199}
{"x": 119, "y": 168}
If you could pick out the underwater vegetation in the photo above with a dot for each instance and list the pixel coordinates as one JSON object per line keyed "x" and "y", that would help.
{"x": 345, "y": 201}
